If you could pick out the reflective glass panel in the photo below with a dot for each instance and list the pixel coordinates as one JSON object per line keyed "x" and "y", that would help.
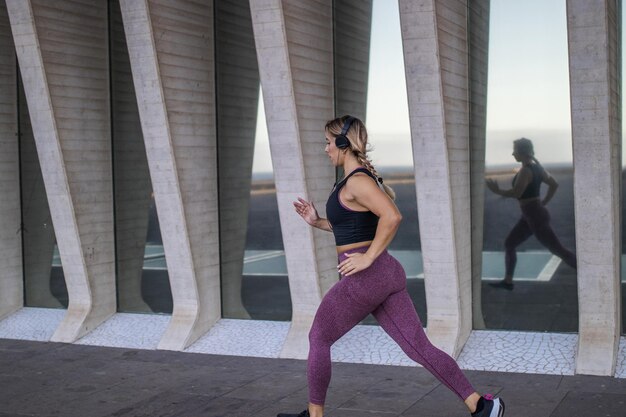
{"x": 254, "y": 280}
{"x": 142, "y": 277}
{"x": 44, "y": 282}
{"x": 370, "y": 84}
{"x": 528, "y": 237}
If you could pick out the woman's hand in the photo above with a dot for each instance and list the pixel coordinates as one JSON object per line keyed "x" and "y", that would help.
{"x": 493, "y": 185}
{"x": 355, "y": 262}
{"x": 307, "y": 211}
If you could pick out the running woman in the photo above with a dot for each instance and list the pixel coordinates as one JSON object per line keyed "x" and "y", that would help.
{"x": 535, "y": 219}
{"x": 364, "y": 219}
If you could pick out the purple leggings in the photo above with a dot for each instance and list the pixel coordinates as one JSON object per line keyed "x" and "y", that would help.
{"x": 380, "y": 290}
{"x": 535, "y": 221}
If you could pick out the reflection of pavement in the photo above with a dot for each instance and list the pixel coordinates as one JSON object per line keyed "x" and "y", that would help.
{"x": 531, "y": 266}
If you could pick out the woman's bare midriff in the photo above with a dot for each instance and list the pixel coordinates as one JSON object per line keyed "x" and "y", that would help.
{"x": 344, "y": 248}
{"x": 528, "y": 200}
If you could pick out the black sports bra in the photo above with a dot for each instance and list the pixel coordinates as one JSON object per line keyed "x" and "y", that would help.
{"x": 533, "y": 188}
{"x": 350, "y": 226}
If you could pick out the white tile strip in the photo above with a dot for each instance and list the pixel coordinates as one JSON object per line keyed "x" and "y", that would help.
{"x": 31, "y": 324}
{"x": 525, "y": 352}
{"x": 620, "y": 371}
{"x": 500, "y": 351}
{"x": 369, "y": 344}
{"x": 135, "y": 331}
{"x": 548, "y": 271}
{"x": 243, "y": 338}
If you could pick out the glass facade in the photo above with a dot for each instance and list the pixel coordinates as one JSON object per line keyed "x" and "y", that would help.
{"x": 254, "y": 280}
{"x": 369, "y": 84}
{"x": 44, "y": 282}
{"x": 529, "y": 98}
{"x": 142, "y": 278}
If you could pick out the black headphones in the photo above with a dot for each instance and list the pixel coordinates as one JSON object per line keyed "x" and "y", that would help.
{"x": 341, "y": 141}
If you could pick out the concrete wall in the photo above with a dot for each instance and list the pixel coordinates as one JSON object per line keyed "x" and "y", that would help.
{"x": 351, "y": 52}
{"x": 63, "y": 55}
{"x": 171, "y": 45}
{"x": 237, "y": 105}
{"x": 169, "y": 129}
{"x": 11, "y": 285}
{"x": 434, "y": 36}
{"x": 478, "y": 32}
{"x": 595, "y": 88}
{"x": 294, "y": 50}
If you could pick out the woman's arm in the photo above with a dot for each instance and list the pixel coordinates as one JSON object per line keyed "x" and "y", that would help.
{"x": 552, "y": 186}
{"x": 524, "y": 177}
{"x": 366, "y": 193}
{"x": 307, "y": 211}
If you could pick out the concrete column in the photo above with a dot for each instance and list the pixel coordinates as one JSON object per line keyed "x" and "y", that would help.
{"x": 595, "y": 92}
{"x": 67, "y": 92}
{"x": 237, "y": 101}
{"x": 434, "y": 35}
{"x": 170, "y": 44}
{"x": 133, "y": 189}
{"x": 478, "y": 66}
{"x": 294, "y": 49}
{"x": 352, "y": 33}
{"x": 11, "y": 284}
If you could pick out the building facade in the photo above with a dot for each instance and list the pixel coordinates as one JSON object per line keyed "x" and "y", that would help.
{"x": 127, "y": 137}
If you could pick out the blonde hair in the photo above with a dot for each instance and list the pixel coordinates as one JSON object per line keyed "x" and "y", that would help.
{"x": 357, "y": 136}
{"x": 525, "y": 147}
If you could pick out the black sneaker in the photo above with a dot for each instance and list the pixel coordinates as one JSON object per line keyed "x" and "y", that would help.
{"x": 502, "y": 284}
{"x": 305, "y": 413}
{"x": 489, "y": 406}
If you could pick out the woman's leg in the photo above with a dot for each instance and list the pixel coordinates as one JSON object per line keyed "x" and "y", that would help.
{"x": 520, "y": 232}
{"x": 538, "y": 219}
{"x": 397, "y": 316}
{"x": 336, "y": 315}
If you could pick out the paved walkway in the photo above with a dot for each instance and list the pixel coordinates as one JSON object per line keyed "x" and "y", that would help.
{"x": 52, "y": 379}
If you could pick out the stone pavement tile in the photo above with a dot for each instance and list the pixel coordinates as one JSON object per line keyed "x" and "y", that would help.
{"x": 221, "y": 379}
{"x": 342, "y": 388}
{"x": 340, "y": 412}
{"x": 588, "y": 383}
{"x": 273, "y": 364}
{"x": 176, "y": 379}
{"x": 519, "y": 380}
{"x": 25, "y": 345}
{"x": 390, "y": 395}
{"x": 274, "y": 408}
{"x": 57, "y": 355}
{"x": 437, "y": 403}
{"x": 585, "y": 404}
{"x": 358, "y": 370}
{"x": 272, "y": 387}
{"x": 56, "y": 387}
{"x": 185, "y": 358}
{"x": 13, "y": 359}
{"x": 533, "y": 402}
{"x": 13, "y": 386}
{"x": 171, "y": 404}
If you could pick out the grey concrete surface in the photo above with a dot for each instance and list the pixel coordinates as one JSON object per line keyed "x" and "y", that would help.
{"x": 75, "y": 166}
{"x": 54, "y": 379}
{"x": 593, "y": 36}
{"x": 434, "y": 39}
